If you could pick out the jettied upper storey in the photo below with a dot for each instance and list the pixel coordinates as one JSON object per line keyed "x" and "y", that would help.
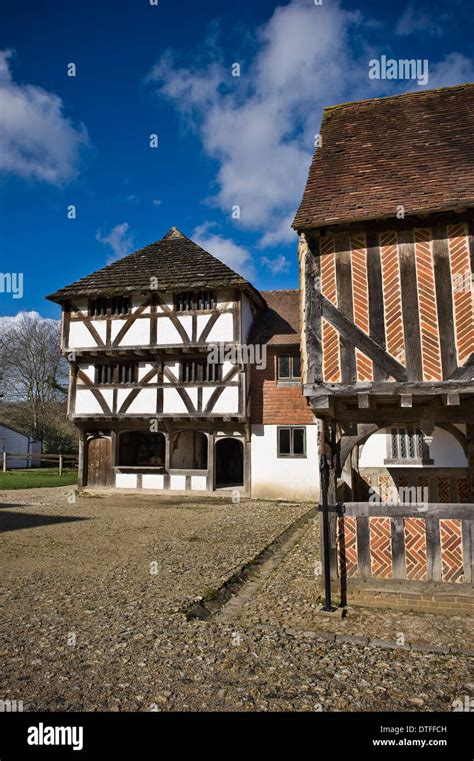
{"x": 386, "y": 228}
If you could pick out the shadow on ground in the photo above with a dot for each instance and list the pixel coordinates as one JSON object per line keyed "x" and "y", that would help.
{"x": 10, "y": 521}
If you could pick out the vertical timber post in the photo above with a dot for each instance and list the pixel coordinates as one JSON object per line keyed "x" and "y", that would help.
{"x": 325, "y": 538}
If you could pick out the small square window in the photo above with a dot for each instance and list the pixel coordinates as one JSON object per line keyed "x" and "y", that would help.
{"x": 289, "y": 367}
{"x": 292, "y": 441}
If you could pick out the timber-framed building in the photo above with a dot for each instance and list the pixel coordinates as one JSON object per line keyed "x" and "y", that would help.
{"x": 163, "y": 345}
{"x": 386, "y": 227}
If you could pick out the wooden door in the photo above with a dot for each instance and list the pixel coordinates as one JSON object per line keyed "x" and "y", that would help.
{"x": 99, "y": 462}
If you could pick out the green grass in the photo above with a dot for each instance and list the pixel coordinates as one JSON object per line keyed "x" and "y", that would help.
{"x": 35, "y": 478}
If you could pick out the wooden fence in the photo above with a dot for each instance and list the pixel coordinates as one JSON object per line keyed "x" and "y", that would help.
{"x": 430, "y": 542}
{"x": 37, "y": 457}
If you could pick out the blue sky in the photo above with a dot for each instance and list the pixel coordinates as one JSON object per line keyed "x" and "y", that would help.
{"x": 223, "y": 140}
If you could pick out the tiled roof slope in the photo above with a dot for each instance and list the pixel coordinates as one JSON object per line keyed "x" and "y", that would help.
{"x": 415, "y": 149}
{"x": 175, "y": 260}
{"x": 279, "y": 323}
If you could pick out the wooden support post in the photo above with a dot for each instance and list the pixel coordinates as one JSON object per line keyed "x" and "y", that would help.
{"x": 82, "y": 472}
{"x": 470, "y": 457}
{"x": 60, "y": 464}
{"x": 322, "y": 403}
{"x": 452, "y": 400}
{"x": 4, "y": 462}
{"x": 363, "y": 401}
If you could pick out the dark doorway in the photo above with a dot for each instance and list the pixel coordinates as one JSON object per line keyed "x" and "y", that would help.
{"x": 229, "y": 463}
{"x": 99, "y": 462}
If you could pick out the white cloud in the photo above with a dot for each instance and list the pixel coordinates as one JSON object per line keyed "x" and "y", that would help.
{"x": 120, "y": 240}
{"x": 276, "y": 265}
{"x": 236, "y": 257}
{"x": 455, "y": 69}
{"x": 157, "y": 202}
{"x": 9, "y": 322}
{"x": 36, "y": 140}
{"x": 412, "y": 21}
{"x": 280, "y": 232}
{"x": 260, "y": 127}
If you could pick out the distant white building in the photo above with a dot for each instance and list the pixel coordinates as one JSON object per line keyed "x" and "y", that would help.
{"x": 17, "y": 443}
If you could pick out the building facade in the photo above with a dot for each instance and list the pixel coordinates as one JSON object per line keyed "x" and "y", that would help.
{"x": 283, "y": 428}
{"x": 161, "y": 366}
{"x": 16, "y": 443}
{"x": 386, "y": 229}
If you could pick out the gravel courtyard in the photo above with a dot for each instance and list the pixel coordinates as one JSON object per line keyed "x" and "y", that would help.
{"x": 93, "y": 594}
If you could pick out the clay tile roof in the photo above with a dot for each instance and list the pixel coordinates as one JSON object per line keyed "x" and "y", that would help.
{"x": 175, "y": 261}
{"x": 415, "y": 149}
{"x": 279, "y": 323}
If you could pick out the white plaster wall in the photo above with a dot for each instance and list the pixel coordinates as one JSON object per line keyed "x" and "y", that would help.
{"x": 178, "y": 482}
{"x": 126, "y": 481}
{"x": 198, "y": 483}
{"x": 445, "y": 451}
{"x": 138, "y": 333}
{"x": 153, "y": 481}
{"x": 81, "y": 338}
{"x": 144, "y": 402}
{"x": 228, "y": 401}
{"x": 287, "y": 478}
{"x": 122, "y": 394}
{"x": 86, "y": 403}
{"x": 226, "y": 368}
{"x": 223, "y": 329}
{"x": 187, "y": 323}
{"x": 88, "y": 370}
{"x": 143, "y": 369}
{"x": 202, "y": 320}
{"x": 167, "y": 333}
{"x": 172, "y": 402}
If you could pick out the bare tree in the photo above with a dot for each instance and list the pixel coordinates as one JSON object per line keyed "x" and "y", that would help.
{"x": 35, "y": 377}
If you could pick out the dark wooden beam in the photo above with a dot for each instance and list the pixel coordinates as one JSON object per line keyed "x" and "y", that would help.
{"x": 312, "y": 310}
{"x": 444, "y": 300}
{"x": 358, "y": 338}
{"x": 416, "y": 388}
{"x": 414, "y": 415}
{"x": 376, "y": 303}
{"x": 344, "y": 300}
{"x": 411, "y": 317}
